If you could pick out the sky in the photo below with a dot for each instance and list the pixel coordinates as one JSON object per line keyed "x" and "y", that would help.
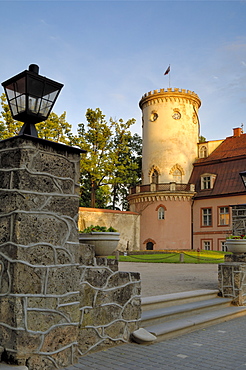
{"x": 110, "y": 53}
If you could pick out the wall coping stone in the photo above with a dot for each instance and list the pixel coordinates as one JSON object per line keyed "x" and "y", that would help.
{"x": 57, "y": 146}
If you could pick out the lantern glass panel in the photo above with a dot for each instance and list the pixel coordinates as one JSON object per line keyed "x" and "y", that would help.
{"x": 45, "y": 107}
{"x": 33, "y": 104}
{"x": 21, "y": 103}
{"x": 35, "y": 86}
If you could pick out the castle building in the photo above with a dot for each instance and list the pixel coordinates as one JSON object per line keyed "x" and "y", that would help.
{"x": 185, "y": 196}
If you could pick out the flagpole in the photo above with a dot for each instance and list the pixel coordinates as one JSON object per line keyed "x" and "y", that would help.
{"x": 167, "y": 72}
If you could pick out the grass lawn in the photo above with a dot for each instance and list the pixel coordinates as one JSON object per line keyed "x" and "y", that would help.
{"x": 189, "y": 257}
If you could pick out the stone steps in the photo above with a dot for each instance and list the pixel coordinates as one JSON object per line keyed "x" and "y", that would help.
{"x": 174, "y": 299}
{"x": 175, "y": 314}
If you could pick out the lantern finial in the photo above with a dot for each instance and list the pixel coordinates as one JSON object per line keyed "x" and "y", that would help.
{"x": 34, "y": 68}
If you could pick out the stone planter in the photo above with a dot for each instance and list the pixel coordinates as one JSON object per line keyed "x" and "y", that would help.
{"x": 105, "y": 243}
{"x": 236, "y": 246}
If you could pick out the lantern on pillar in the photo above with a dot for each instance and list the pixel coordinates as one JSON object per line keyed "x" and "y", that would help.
{"x": 31, "y": 98}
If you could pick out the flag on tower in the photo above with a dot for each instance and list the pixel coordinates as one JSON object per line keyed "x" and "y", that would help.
{"x": 167, "y": 71}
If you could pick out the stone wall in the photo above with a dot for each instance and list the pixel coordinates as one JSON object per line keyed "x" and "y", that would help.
{"x": 126, "y": 223}
{"x": 53, "y": 307}
{"x": 110, "y": 302}
{"x": 239, "y": 219}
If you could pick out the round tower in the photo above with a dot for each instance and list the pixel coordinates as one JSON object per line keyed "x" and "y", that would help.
{"x": 164, "y": 199}
{"x": 170, "y": 135}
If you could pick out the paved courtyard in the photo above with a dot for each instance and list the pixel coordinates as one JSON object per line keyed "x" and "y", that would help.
{"x": 165, "y": 278}
{"x": 221, "y": 346}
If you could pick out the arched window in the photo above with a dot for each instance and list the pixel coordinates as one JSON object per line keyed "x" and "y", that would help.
{"x": 177, "y": 175}
{"x": 154, "y": 177}
{"x": 149, "y": 246}
{"x": 161, "y": 213}
{"x": 177, "y": 172}
{"x": 203, "y": 152}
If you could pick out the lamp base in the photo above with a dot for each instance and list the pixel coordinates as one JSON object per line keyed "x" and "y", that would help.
{"x": 29, "y": 129}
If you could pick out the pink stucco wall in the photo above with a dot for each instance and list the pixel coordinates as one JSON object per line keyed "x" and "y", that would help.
{"x": 215, "y": 233}
{"x": 174, "y": 232}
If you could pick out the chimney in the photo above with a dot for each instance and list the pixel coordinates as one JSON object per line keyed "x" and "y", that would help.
{"x": 237, "y": 131}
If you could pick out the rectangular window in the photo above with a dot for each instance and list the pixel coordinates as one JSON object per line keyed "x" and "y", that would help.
{"x": 207, "y": 245}
{"x": 224, "y": 216}
{"x": 207, "y": 181}
{"x": 223, "y": 246}
{"x": 207, "y": 217}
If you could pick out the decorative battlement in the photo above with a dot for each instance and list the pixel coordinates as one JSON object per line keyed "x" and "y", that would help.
{"x": 167, "y": 94}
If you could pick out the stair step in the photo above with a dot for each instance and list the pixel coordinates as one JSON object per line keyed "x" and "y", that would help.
{"x": 167, "y": 300}
{"x": 158, "y": 315}
{"x": 180, "y": 326}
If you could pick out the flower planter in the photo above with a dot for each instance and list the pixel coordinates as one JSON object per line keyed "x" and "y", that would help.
{"x": 236, "y": 246}
{"x": 105, "y": 243}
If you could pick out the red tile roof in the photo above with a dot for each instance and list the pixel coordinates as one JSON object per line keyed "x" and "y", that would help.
{"x": 226, "y": 161}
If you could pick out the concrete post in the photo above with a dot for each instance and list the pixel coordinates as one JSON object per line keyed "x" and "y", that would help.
{"x": 39, "y": 294}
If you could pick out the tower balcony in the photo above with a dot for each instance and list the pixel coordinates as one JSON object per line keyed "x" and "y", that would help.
{"x": 165, "y": 187}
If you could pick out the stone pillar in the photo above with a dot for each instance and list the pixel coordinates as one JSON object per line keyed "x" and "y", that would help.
{"x": 232, "y": 279}
{"x": 39, "y": 261}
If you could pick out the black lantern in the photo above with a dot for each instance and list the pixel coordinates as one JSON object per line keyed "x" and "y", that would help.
{"x": 31, "y": 98}
{"x": 243, "y": 177}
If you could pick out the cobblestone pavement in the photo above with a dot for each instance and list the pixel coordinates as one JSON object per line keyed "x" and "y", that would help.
{"x": 221, "y": 346}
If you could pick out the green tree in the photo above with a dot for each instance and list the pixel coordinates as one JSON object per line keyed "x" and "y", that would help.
{"x": 108, "y": 160}
{"x": 127, "y": 156}
{"x": 8, "y": 126}
{"x": 202, "y": 139}
{"x": 55, "y": 128}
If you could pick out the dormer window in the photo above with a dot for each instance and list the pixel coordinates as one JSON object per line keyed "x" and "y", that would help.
{"x": 203, "y": 152}
{"x": 207, "y": 181}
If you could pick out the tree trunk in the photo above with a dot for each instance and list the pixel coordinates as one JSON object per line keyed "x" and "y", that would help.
{"x": 93, "y": 194}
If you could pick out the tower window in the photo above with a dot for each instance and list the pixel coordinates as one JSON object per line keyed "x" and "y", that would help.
{"x": 161, "y": 213}
{"x": 154, "y": 177}
{"x": 177, "y": 175}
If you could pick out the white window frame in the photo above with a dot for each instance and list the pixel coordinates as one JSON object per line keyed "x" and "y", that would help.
{"x": 207, "y": 217}
{"x": 207, "y": 181}
{"x": 207, "y": 245}
{"x": 161, "y": 213}
{"x": 223, "y": 246}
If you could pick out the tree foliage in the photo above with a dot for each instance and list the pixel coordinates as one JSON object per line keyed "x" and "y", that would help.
{"x": 8, "y": 126}
{"x": 109, "y": 162}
